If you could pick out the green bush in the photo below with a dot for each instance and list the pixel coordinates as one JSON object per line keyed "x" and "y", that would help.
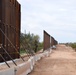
{"x": 30, "y": 42}
{"x": 22, "y": 51}
{"x": 73, "y": 45}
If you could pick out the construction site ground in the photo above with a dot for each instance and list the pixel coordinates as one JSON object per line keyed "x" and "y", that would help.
{"x": 61, "y": 61}
{"x": 3, "y": 66}
{"x": 19, "y": 61}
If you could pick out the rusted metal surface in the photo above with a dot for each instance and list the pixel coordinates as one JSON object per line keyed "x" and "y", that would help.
{"x": 46, "y": 40}
{"x": 53, "y": 41}
{"x": 18, "y": 18}
{"x": 49, "y": 41}
{"x": 10, "y": 25}
{"x": 0, "y": 27}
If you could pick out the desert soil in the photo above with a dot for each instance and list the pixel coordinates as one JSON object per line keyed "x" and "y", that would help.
{"x": 61, "y": 61}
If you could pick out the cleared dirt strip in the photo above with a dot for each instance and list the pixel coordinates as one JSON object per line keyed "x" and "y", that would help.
{"x": 61, "y": 61}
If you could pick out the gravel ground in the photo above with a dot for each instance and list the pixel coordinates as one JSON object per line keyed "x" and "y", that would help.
{"x": 61, "y": 61}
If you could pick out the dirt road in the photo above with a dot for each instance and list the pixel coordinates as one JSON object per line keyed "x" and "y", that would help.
{"x": 61, "y": 61}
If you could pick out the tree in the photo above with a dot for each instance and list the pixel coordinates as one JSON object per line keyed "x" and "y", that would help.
{"x": 30, "y": 42}
{"x": 36, "y": 43}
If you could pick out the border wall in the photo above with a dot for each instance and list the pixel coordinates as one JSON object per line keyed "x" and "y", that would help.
{"x": 10, "y": 16}
{"x": 46, "y": 40}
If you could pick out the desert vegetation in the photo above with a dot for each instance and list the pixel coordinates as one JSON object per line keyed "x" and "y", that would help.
{"x": 30, "y": 42}
{"x": 73, "y": 45}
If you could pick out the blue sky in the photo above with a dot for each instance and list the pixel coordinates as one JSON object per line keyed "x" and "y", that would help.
{"x": 57, "y": 17}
